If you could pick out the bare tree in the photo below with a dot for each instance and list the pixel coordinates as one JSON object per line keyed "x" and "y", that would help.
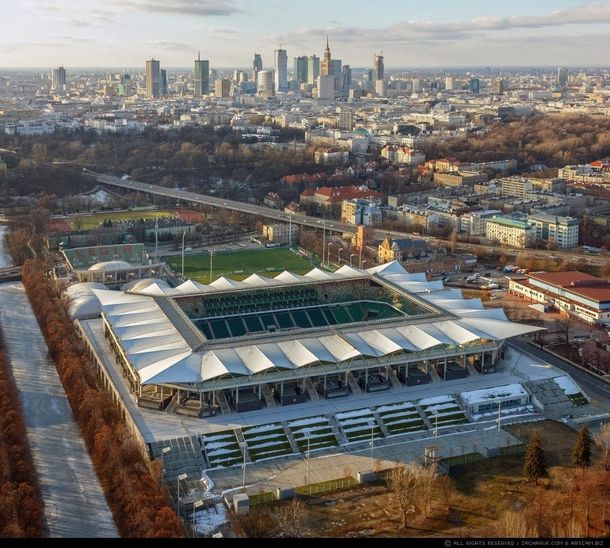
{"x": 293, "y": 517}
{"x": 564, "y": 326}
{"x": 445, "y": 489}
{"x": 426, "y": 482}
{"x": 602, "y": 440}
{"x": 402, "y": 481}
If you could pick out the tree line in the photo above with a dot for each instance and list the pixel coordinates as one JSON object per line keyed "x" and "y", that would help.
{"x": 21, "y": 504}
{"x": 139, "y": 503}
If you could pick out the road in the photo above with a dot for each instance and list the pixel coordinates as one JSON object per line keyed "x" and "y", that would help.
{"x": 304, "y": 220}
{"x": 75, "y": 505}
{"x": 598, "y": 390}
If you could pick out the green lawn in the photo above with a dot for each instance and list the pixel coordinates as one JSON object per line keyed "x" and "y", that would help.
{"x": 88, "y": 222}
{"x": 241, "y": 264}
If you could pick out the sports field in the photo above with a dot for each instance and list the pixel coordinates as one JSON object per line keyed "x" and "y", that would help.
{"x": 241, "y": 264}
{"x": 89, "y": 222}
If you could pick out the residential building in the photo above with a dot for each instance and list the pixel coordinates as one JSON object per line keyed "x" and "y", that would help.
{"x": 163, "y": 73}
{"x": 381, "y": 88}
{"x": 403, "y": 155}
{"x": 449, "y": 83}
{"x": 518, "y": 187}
{"x": 562, "y": 77}
{"x": 58, "y": 79}
{"x": 474, "y": 85}
{"x": 475, "y": 222}
{"x": 280, "y": 62}
{"x": 281, "y": 233}
{"x": 346, "y": 78}
{"x": 510, "y": 232}
{"x": 153, "y": 79}
{"x": 562, "y": 232}
{"x": 574, "y": 293}
{"x": 222, "y": 88}
{"x": 345, "y": 120}
{"x": 327, "y": 196}
{"x": 361, "y": 212}
{"x": 202, "y": 77}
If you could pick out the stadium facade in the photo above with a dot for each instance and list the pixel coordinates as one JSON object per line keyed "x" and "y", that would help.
{"x": 236, "y": 346}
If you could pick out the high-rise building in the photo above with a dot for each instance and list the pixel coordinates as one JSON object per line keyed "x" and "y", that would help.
{"x": 499, "y": 86}
{"x": 202, "y": 76}
{"x": 474, "y": 85}
{"x": 222, "y": 88}
{"x": 300, "y": 69}
{"x": 124, "y": 87}
{"x": 326, "y": 87}
{"x": 327, "y": 67}
{"x": 153, "y": 79}
{"x": 257, "y": 66}
{"x": 163, "y": 82}
{"x": 280, "y": 62}
{"x": 416, "y": 85}
{"x": 265, "y": 83}
{"x": 313, "y": 69}
{"x": 337, "y": 66}
{"x": 562, "y": 76}
{"x": 58, "y": 79}
{"x": 449, "y": 83}
{"x": 381, "y": 88}
{"x": 378, "y": 68}
{"x": 345, "y": 119}
{"x": 346, "y": 77}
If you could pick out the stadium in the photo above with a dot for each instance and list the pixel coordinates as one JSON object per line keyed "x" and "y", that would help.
{"x": 236, "y": 346}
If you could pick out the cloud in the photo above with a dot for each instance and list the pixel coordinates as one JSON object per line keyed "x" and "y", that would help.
{"x": 411, "y": 32}
{"x": 183, "y": 7}
{"x": 169, "y": 45}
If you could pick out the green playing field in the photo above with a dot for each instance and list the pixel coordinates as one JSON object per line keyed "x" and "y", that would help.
{"x": 241, "y": 264}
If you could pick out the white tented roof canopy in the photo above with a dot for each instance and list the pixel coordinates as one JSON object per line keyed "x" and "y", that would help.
{"x": 160, "y": 354}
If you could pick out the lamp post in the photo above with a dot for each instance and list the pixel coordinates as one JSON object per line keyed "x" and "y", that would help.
{"x": 363, "y": 263}
{"x": 290, "y": 230}
{"x": 164, "y": 452}
{"x": 330, "y": 244}
{"x": 350, "y": 258}
{"x": 180, "y": 478}
{"x": 244, "y": 445}
{"x": 323, "y": 241}
{"x": 372, "y": 444}
{"x": 183, "y": 236}
{"x": 307, "y": 478}
{"x": 197, "y": 504}
{"x": 339, "y": 255}
{"x": 211, "y": 264}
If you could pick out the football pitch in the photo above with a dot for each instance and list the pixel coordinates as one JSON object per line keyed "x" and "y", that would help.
{"x": 240, "y": 265}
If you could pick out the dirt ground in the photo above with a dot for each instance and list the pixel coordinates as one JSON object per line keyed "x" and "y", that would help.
{"x": 483, "y": 491}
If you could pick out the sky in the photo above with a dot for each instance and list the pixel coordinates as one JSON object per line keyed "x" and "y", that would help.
{"x": 410, "y": 33}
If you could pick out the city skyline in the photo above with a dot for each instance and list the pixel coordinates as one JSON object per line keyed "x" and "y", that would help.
{"x": 433, "y": 34}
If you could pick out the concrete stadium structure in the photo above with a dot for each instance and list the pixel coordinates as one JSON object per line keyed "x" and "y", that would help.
{"x": 236, "y": 346}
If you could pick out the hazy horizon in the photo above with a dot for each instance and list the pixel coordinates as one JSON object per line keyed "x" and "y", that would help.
{"x": 412, "y": 34}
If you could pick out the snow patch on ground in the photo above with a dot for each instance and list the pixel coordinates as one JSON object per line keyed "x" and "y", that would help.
{"x": 567, "y": 385}
{"x": 435, "y": 400}
{"x": 509, "y": 390}
{"x": 263, "y": 428}
{"x": 396, "y": 407}
{"x": 209, "y": 520}
{"x": 305, "y": 422}
{"x": 356, "y": 413}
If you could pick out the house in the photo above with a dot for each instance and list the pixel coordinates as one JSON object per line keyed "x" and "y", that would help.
{"x": 400, "y": 250}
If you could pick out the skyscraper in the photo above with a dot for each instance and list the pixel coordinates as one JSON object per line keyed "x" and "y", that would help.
{"x": 202, "y": 76}
{"x": 474, "y": 85}
{"x": 257, "y": 66}
{"x": 300, "y": 69}
{"x": 124, "y": 87}
{"x": 449, "y": 83}
{"x": 313, "y": 69}
{"x": 346, "y": 77}
{"x": 163, "y": 82}
{"x": 562, "y": 76}
{"x": 222, "y": 88}
{"x": 280, "y": 62}
{"x": 265, "y": 82}
{"x": 378, "y": 68}
{"x": 58, "y": 79}
{"x": 153, "y": 79}
{"x": 327, "y": 67}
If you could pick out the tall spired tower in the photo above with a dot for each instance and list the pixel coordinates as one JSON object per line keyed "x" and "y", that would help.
{"x": 326, "y": 67}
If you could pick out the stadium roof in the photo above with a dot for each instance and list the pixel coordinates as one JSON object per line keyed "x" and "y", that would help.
{"x": 156, "y": 339}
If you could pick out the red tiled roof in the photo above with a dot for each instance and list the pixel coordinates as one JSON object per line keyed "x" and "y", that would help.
{"x": 579, "y": 283}
{"x": 563, "y": 279}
